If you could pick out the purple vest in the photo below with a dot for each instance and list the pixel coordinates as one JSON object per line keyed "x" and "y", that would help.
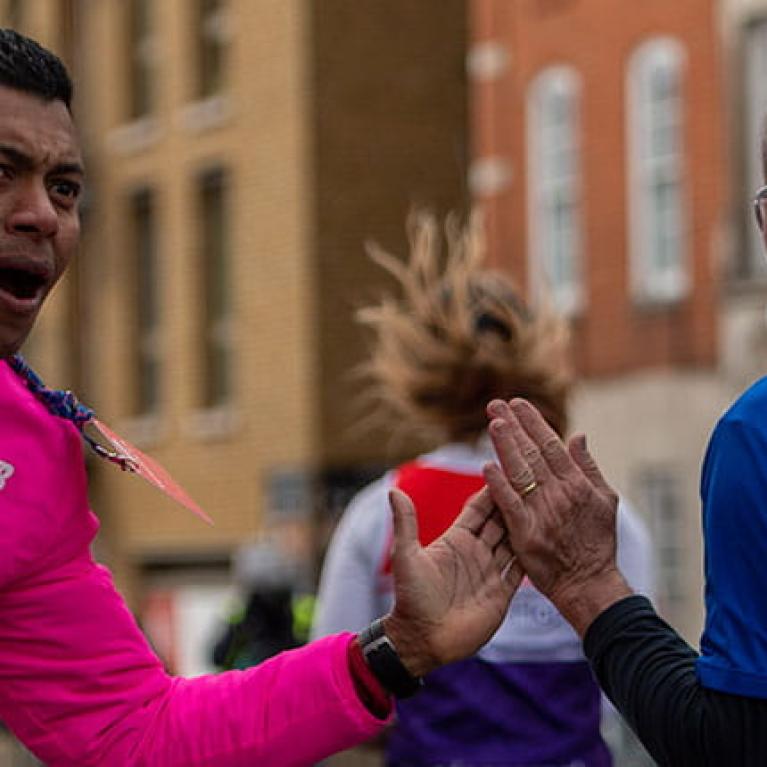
{"x": 479, "y": 714}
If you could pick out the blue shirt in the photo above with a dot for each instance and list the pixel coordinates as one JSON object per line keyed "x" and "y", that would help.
{"x": 734, "y": 494}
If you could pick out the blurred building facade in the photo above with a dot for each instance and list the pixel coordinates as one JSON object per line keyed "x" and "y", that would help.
{"x": 239, "y": 154}
{"x": 600, "y": 155}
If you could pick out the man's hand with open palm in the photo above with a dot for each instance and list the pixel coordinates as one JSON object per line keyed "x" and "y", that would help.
{"x": 450, "y": 596}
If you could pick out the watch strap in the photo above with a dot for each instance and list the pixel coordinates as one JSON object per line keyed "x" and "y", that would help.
{"x": 384, "y": 661}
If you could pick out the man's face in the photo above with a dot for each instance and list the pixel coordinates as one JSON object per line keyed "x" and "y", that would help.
{"x": 41, "y": 179}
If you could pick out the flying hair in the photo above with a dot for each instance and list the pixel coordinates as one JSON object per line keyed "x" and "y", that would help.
{"x": 457, "y": 336}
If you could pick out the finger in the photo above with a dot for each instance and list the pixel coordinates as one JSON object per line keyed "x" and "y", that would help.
{"x": 476, "y": 511}
{"x": 580, "y": 454}
{"x": 515, "y": 516}
{"x": 541, "y": 438}
{"x": 505, "y": 435}
{"x": 405, "y": 524}
{"x": 493, "y": 531}
{"x": 497, "y": 408}
{"x": 531, "y": 452}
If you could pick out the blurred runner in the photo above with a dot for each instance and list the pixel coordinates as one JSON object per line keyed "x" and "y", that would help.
{"x": 458, "y": 336}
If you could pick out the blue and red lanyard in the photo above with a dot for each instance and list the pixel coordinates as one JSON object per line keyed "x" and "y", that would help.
{"x": 65, "y": 405}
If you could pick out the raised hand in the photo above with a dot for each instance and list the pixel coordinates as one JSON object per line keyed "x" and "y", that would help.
{"x": 451, "y": 596}
{"x": 559, "y": 510}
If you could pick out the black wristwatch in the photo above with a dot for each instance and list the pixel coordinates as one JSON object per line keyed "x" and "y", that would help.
{"x": 382, "y": 658}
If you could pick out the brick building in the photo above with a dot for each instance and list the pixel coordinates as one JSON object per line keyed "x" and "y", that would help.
{"x": 239, "y": 155}
{"x": 272, "y": 125}
{"x": 599, "y": 155}
{"x": 241, "y": 152}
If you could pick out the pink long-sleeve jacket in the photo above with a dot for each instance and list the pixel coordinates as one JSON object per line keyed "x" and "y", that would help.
{"x": 80, "y": 686}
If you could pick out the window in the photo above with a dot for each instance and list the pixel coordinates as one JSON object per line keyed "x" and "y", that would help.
{"x": 140, "y": 58}
{"x": 753, "y": 262}
{"x": 211, "y": 34}
{"x": 659, "y": 489}
{"x": 145, "y": 346}
{"x": 289, "y": 492}
{"x": 657, "y": 220}
{"x": 554, "y": 187}
{"x": 215, "y": 314}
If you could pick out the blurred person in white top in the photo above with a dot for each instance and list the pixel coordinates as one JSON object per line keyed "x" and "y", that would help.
{"x": 458, "y": 336}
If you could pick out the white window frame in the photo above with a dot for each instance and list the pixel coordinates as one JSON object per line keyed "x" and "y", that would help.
{"x": 555, "y": 271}
{"x": 654, "y": 281}
{"x": 217, "y": 322}
{"x": 214, "y": 28}
{"x": 148, "y": 349}
{"x": 659, "y": 486}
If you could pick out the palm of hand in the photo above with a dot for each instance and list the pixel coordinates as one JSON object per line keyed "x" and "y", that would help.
{"x": 452, "y": 595}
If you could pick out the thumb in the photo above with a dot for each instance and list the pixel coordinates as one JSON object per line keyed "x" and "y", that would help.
{"x": 405, "y": 524}
{"x": 576, "y": 446}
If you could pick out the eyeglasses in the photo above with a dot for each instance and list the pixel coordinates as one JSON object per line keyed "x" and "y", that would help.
{"x": 760, "y": 207}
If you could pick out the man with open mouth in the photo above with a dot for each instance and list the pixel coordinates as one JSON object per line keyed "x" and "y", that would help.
{"x": 79, "y": 684}
{"x": 41, "y": 181}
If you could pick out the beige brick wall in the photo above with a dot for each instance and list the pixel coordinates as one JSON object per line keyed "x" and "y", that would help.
{"x": 260, "y": 138}
{"x": 333, "y": 122}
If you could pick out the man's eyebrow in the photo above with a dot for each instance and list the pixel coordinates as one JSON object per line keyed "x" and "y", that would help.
{"x": 69, "y": 167}
{"x": 26, "y": 162}
{"x": 17, "y": 157}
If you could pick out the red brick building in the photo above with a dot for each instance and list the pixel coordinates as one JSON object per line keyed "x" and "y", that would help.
{"x": 616, "y": 64}
{"x": 598, "y": 154}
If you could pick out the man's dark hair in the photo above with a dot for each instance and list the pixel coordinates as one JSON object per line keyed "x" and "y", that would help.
{"x": 26, "y": 66}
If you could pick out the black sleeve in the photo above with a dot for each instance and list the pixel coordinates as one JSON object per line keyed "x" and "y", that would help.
{"x": 648, "y": 672}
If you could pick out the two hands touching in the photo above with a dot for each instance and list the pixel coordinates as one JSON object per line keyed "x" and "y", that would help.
{"x": 546, "y": 512}
{"x": 563, "y": 530}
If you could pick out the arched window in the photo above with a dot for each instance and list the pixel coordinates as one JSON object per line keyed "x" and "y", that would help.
{"x": 656, "y": 202}
{"x": 554, "y": 187}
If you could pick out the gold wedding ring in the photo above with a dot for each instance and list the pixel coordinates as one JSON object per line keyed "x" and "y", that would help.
{"x": 527, "y": 489}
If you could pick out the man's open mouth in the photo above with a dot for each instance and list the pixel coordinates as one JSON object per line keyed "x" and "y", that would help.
{"x": 22, "y": 284}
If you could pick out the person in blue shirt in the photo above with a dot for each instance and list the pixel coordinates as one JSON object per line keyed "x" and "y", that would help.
{"x": 734, "y": 492}
{"x": 687, "y": 707}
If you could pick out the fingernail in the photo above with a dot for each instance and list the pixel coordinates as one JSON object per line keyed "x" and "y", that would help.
{"x": 497, "y": 425}
{"x": 496, "y": 408}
